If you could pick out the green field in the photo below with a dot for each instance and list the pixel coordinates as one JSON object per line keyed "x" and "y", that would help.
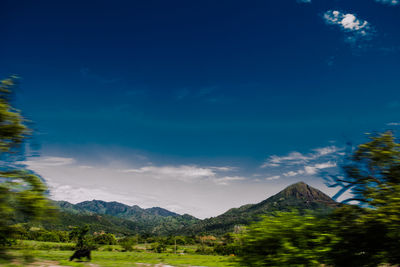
{"x": 33, "y": 253}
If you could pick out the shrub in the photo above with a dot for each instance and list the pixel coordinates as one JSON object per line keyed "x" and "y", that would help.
{"x": 127, "y": 243}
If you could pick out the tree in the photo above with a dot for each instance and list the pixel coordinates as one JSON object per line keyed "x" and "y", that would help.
{"x": 83, "y": 240}
{"x": 285, "y": 239}
{"x": 22, "y": 193}
{"x": 370, "y": 236}
{"x": 372, "y": 173}
{"x": 105, "y": 239}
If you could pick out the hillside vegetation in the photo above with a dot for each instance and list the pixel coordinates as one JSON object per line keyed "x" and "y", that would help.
{"x": 121, "y": 219}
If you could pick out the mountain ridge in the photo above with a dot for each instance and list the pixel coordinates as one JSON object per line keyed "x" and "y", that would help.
{"x": 158, "y": 220}
{"x": 298, "y": 196}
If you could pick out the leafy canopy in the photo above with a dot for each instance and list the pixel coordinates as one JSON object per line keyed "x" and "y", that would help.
{"x": 22, "y": 193}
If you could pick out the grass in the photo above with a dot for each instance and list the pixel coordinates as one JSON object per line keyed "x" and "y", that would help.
{"x": 60, "y": 253}
{"x": 122, "y": 259}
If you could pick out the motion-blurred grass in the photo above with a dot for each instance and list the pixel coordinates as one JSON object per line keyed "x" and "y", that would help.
{"x": 60, "y": 252}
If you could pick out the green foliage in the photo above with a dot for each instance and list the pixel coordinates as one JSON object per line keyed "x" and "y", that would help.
{"x": 229, "y": 245}
{"x": 22, "y": 193}
{"x": 370, "y": 236}
{"x": 127, "y": 243}
{"x": 83, "y": 240}
{"x": 373, "y": 172}
{"x": 105, "y": 239}
{"x": 286, "y": 239}
{"x": 41, "y": 245}
{"x": 159, "y": 247}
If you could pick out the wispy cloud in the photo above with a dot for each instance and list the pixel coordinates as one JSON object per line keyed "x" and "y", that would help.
{"x": 275, "y": 177}
{"x": 292, "y": 159}
{"x": 49, "y": 162}
{"x": 393, "y": 124}
{"x": 304, "y": 1}
{"x": 293, "y": 173}
{"x": 187, "y": 173}
{"x": 354, "y": 28}
{"x": 388, "y": 2}
{"x": 296, "y": 163}
{"x": 226, "y": 180}
{"x": 183, "y": 173}
{"x": 296, "y": 158}
{"x": 322, "y": 151}
{"x": 313, "y": 169}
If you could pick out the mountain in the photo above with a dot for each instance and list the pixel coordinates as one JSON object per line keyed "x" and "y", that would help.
{"x": 298, "y": 196}
{"x": 123, "y": 211}
{"x": 119, "y": 218}
{"x": 154, "y": 220}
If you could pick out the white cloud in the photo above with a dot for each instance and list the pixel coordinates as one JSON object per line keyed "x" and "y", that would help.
{"x": 311, "y": 169}
{"x": 227, "y": 179}
{"x": 296, "y": 163}
{"x": 184, "y": 173}
{"x": 49, "y": 162}
{"x": 325, "y": 150}
{"x": 275, "y": 177}
{"x": 304, "y": 1}
{"x": 76, "y": 194}
{"x": 292, "y": 158}
{"x": 297, "y": 158}
{"x": 354, "y": 28}
{"x": 224, "y": 169}
{"x": 319, "y": 166}
{"x": 293, "y": 173}
{"x": 388, "y": 2}
{"x": 393, "y": 124}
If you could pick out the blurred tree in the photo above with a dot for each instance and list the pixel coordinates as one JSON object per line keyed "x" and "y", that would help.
{"x": 372, "y": 173}
{"x": 22, "y": 193}
{"x": 83, "y": 240}
{"x": 286, "y": 239}
{"x": 370, "y": 235}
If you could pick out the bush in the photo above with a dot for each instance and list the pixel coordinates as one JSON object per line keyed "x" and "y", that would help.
{"x": 49, "y": 237}
{"x": 105, "y": 239}
{"x": 227, "y": 249}
{"x": 127, "y": 243}
{"x": 158, "y": 247}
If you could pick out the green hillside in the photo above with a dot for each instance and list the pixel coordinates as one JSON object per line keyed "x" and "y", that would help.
{"x": 297, "y": 196}
{"x": 116, "y": 217}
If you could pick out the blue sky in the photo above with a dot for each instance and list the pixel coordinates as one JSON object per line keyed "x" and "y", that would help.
{"x": 199, "y": 106}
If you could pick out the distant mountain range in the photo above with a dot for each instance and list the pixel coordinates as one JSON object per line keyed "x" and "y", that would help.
{"x": 126, "y": 219}
{"x": 122, "y": 219}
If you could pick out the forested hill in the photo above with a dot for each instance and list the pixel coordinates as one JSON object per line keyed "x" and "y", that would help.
{"x": 298, "y": 196}
{"x": 120, "y": 218}
{"x": 135, "y": 219}
{"x": 123, "y": 211}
